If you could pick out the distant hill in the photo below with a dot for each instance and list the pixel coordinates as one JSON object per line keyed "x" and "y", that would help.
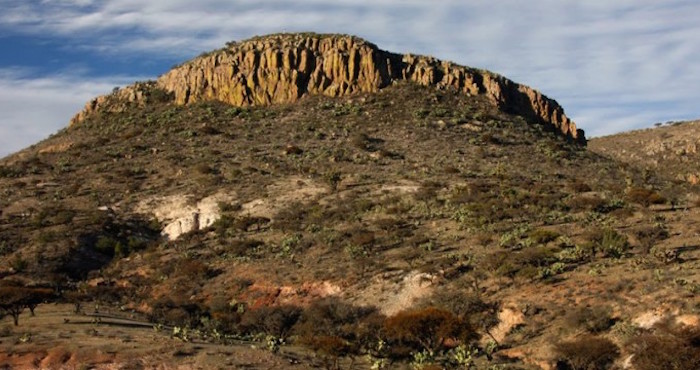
{"x": 671, "y": 150}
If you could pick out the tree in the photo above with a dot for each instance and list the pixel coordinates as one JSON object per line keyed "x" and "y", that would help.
{"x": 36, "y": 296}
{"x": 12, "y": 301}
{"x": 76, "y": 297}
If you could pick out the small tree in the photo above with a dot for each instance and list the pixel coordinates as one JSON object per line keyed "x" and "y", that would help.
{"x": 37, "y": 296}
{"x": 76, "y": 297}
{"x": 13, "y": 301}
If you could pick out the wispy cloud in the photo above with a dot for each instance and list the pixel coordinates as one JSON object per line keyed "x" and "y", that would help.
{"x": 32, "y": 108}
{"x": 613, "y": 65}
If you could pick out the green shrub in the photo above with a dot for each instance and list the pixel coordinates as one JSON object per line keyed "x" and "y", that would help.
{"x": 108, "y": 246}
{"x": 542, "y": 236}
{"x": 18, "y": 263}
{"x": 579, "y": 253}
{"x": 613, "y": 244}
{"x": 5, "y": 248}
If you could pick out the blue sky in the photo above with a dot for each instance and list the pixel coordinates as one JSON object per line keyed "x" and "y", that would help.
{"x": 613, "y": 65}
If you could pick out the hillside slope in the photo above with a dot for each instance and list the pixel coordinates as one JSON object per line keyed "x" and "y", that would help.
{"x": 330, "y": 225}
{"x": 670, "y": 150}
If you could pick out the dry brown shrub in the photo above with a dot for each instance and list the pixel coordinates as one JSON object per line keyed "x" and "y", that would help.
{"x": 645, "y": 197}
{"x": 427, "y": 329}
{"x": 667, "y": 349}
{"x": 595, "y": 319}
{"x": 586, "y": 353}
{"x": 277, "y": 321}
{"x": 335, "y": 328}
{"x": 586, "y": 203}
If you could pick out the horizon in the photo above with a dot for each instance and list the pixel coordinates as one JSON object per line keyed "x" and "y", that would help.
{"x": 612, "y": 67}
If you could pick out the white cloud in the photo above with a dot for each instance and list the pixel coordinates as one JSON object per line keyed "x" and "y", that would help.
{"x": 33, "y": 108}
{"x": 613, "y": 65}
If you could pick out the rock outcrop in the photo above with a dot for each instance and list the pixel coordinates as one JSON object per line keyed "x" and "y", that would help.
{"x": 180, "y": 214}
{"x": 283, "y": 68}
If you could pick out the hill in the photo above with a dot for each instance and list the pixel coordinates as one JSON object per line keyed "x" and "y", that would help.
{"x": 670, "y": 150}
{"x": 390, "y": 215}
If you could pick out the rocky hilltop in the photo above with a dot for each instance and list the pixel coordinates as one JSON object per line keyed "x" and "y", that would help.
{"x": 283, "y": 68}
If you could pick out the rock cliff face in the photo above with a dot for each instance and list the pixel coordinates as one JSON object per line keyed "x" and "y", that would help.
{"x": 283, "y": 68}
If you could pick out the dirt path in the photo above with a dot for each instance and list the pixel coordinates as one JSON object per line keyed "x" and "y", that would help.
{"x": 56, "y": 338}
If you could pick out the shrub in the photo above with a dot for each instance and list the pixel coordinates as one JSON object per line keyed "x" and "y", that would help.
{"x": 277, "y": 321}
{"x": 645, "y": 197}
{"x": 650, "y": 235}
{"x": 468, "y": 307}
{"x": 527, "y": 263}
{"x": 613, "y": 244}
{"x": 608, "y": 241}
{"x": 594, "y": 203}
{"x": 243, "y": 247}
{"x": 5, "y": 248}
{"x": 579, "y": 186}
{"x": 542, "y": 236}
{"x": 107, "y": 245}
{"x": 593, "y": 319}
{"x": 672, "y": 349}
{"x": 332, "y": 178}
{"x": 178, "y": 313}
{"x": 204, "y": 169}
{"x": 360, "y": 141}
{"x": 427, "y": 329}
{"x": 193, "y": 269}
{"x": 333, "y": 327}
{"x": 12, "y": 301}
{"x": 586, "y": 353}
{"x": 18, "y": 264}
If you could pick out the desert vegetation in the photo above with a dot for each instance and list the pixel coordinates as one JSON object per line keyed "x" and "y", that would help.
{"x": 412, "y": 227}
